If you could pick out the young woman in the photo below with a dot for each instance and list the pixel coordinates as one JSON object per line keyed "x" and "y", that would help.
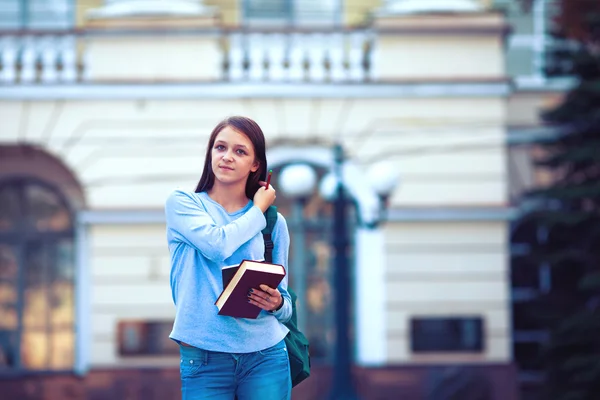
{"x": 220, "y": 225}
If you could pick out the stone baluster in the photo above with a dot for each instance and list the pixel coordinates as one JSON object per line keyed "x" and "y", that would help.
{"x": 235, "y": 70}
{"x": 370, "y": 41}
{"x": 316, "y": 56}
{"x": 28, "y": 60}
{"x": 49, "y": 56}
{"x": 356, "y": 56}
{"x": 8, "y": 56}
{"x": 256, "y": 56}
{"x": 276, "y": 55}
{"x": 68, "y": 58}
{"x": 337, "y": 69}
{"x": 296, "y": 58}
{"x": 86, "y": 65}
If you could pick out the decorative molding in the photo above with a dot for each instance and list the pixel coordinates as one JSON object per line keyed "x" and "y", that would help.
{"x": 121, "y": 217}
{"x": 462, "y": 214}
{"x": 444, "y": 214}
{"x": 253, "y": 91}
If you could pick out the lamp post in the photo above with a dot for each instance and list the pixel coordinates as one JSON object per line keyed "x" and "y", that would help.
{"x": 343, "y": 188}
{"x": 342, "y": 373}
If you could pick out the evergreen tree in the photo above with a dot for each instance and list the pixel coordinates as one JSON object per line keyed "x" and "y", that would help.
{"x": 568, "y": 212}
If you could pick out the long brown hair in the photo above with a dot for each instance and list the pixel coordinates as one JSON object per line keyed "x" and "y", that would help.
{"x": 253, "y": 132}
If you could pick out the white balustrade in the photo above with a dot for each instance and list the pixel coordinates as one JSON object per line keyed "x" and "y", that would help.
{"x": 255, "y": 56}
{"x": 298, "y": 57}
{"x": 42, "y": 59}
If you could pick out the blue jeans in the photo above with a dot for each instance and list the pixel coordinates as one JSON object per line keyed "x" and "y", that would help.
{"x": 211, "y": 375}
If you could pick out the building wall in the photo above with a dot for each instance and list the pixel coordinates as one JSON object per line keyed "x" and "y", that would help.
{"x": 130, "y": 154}
{"x": 149, "y": 147}
{"x": 357, "y": 12}
{"x": 130, "y": 282}
{"x": 230, "y": 10}
{"x": 448, "y": 269}
{"x": 82, "y": 7}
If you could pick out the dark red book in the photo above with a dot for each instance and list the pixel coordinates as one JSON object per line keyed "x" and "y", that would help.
{"x": 227, "y": 273}
{"x": 238, "y": 281}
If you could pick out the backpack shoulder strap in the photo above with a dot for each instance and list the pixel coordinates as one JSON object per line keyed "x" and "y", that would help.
{"x": 271, "y": 217}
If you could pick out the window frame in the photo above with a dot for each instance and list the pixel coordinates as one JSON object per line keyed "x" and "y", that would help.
{"x": 425, "y": 345}
{"x": 28, "y": 8}
{"x": 290, "y": 20}
{"x": 22, "y": 236}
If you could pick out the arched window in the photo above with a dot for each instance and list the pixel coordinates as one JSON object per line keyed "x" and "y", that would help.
{"x": 37, "y": 268}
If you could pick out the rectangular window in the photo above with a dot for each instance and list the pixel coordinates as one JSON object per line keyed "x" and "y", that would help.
{"x": 443, "y": 334}
{"x": 292, "y": 12}
{"x": 36, "y": 14}
{"x": 146, "y": 338}
{"x": 530, "y": 43}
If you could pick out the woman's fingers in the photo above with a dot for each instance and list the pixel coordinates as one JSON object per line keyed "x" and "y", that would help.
{"x": 261, "y": 303}
{"x": 267, "y": 299}
{"x": 269, "y": 290}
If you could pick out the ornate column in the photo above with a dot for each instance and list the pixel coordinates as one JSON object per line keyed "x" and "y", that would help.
{"x": 153, "y": 40}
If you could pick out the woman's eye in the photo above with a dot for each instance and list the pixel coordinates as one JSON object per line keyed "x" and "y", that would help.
{"x": 240, "y": 151}
{"x": 219, "y": 147}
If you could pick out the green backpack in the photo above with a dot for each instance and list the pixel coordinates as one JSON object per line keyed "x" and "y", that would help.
{"x": 295, "y": 341}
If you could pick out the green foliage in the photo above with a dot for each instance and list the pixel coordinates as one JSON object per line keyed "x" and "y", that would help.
{"x": 571, "y": 215}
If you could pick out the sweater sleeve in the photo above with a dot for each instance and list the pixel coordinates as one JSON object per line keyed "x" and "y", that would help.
{"x": 188, "y": 222}
{"x": 281, "y": 242}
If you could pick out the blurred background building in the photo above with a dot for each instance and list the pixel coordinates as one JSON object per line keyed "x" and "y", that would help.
{"x": 106, "y": 107}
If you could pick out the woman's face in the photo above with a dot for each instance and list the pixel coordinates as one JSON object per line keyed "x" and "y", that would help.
{"x": 232, "y": 157}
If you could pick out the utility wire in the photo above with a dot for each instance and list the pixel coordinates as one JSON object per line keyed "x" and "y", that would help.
{"x": 145, "y": 179}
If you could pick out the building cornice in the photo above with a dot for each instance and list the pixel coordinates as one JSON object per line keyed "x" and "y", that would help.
{"x": 252, "y": 90}
{"x": 422, "y": 214}
{"x": 458, "y": 214}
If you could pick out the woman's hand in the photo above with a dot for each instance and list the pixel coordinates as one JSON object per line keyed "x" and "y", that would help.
{"x": 267, "y": 298}
{"x": 263, "y": 197}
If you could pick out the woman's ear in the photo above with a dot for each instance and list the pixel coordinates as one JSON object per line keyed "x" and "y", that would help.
{"x": 255, "y": 166}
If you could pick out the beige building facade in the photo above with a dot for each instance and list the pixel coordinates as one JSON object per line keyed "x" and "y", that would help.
{"x": 138, "y": 91}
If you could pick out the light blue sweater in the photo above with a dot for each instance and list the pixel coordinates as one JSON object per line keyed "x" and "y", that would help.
{"x": 202, "y": 239}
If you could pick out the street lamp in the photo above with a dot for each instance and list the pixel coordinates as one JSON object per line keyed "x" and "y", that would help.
{"x": 341, "y": 186}
{"x": 343, "y": 387}
{"x": 384, "y": 179}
